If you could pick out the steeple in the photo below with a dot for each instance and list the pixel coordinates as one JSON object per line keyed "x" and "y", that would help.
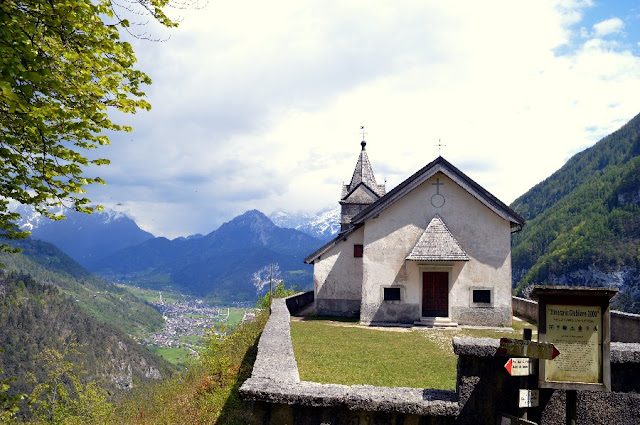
{"x": 363, "y": 172}
{"x": 363, "y": 189}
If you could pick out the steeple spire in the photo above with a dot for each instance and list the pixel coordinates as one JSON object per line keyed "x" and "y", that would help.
{"x": 362, "y": 190}
{"x": 363, "y": 172}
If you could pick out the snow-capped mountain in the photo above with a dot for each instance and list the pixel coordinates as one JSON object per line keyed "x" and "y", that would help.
{"x": 84, "y": 237}
{"x": 324, "y": 225}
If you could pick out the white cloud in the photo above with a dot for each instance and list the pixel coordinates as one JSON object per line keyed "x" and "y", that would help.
{"x": 608, "y": 27}
{"x": 262, "y": 109}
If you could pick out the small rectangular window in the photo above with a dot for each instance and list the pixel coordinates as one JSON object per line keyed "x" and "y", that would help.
{"x": 357, "y": 251}
{"x": 482, "y": 296}
{"x": 392, "y": 294}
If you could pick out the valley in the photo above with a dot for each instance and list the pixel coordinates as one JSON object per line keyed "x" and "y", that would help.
{"x": 188, "y": 322}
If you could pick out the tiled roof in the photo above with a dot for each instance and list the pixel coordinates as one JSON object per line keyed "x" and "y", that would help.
{"x": 363, "y": 173}
{"x": 437, "y": 244}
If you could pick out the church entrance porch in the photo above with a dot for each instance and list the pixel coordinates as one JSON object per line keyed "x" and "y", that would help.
{"x": 435, "y": 300}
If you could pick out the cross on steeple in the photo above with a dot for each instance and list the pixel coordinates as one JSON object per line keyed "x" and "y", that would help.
{"x": 439, "y": 145}
{"x": 363, "y": 143}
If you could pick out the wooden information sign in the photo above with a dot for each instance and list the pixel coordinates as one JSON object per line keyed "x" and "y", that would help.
{"x": 576, "y": 320}
{"x": 524, "y": 348}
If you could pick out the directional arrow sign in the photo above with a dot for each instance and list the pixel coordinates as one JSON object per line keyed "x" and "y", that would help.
{"x": 520, "y": 367}
{"x": 529, "y": 398}
{"x": 524, "y": 348}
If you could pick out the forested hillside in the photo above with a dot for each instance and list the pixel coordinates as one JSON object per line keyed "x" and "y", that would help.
{"x": 36, "y": 319}
{"x": 583, "y": 222}
{"x": 102, "y": 300}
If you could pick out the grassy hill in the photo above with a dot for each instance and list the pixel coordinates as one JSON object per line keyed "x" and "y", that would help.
{"x": 103, "y": 300}
{"x": 583, "y": 222}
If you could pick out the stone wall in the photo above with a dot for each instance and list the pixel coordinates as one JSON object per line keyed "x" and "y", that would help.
{"x": 279, "y": 397}
{"x": 484, "y": 389}
{"x": 625, "y": 327}
{"x": 299, "y": 301}
{"x": 525, "y": 308}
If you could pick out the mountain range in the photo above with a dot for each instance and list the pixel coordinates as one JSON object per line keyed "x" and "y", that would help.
{"x": 324, "y": 225}
{"x": 84, "y": 237}
{"x": 218, "y": 265}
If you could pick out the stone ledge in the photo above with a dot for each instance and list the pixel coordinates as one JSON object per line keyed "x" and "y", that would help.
{"x": 415, "y": 401}
{"x": 302, "y": 393}
{"x": 619, "y": 313}
{"x": 480, "y": 347}
{"x": 622, "y": 352}
{"x": 275, "y": 359}
{"x": 357, "y": 397}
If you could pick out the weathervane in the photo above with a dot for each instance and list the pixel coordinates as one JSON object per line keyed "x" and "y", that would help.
{"x": 439, "y": 145}
{"x": 363, "y": 143}
{"x": 363, "y": 132}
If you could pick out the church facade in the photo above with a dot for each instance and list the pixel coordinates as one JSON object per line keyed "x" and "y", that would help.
{"x": 435, "y": 250}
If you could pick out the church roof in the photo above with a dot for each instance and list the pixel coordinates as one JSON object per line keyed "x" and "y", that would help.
{"x": 438, "y": 165}
{"x": 437, "y": 244}
{"x": 341, "y": 237}
{"x": 443, "y": 166}
{"x": 362, "y": 174}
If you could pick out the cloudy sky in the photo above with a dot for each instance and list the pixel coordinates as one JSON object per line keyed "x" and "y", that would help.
{"x": 259, "y": 104}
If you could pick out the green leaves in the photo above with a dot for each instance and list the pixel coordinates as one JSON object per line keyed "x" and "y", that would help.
{"x": 61, "y": 67}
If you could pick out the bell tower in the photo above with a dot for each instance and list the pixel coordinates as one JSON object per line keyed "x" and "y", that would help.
{"x": 362, "y": 191}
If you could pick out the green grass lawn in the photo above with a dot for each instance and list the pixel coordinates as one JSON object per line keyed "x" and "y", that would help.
{"x": 340, "y": 353}
{"x": 153, "y": 295}
{"x": 178, "y": 356}
{"x": 192, "y": 339}
{"x": 235, "y": 316}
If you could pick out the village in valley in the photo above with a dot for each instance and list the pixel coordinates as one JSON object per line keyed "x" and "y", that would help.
{"x": 188, "y": 322}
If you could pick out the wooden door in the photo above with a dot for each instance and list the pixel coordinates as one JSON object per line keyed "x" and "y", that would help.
{"x": 435, "y": 294}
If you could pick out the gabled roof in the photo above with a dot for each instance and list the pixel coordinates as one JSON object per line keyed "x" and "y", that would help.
{"x": 342, "y": 236}
{"x": 352, "y": 197}
{"x": 439, "y": 165}
{"x": 437, "y": 244}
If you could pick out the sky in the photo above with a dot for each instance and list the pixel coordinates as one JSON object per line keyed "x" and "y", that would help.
{"x": 258, "y": 105}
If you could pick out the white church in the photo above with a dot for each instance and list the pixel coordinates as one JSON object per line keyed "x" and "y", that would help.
{"x": 435, "y": 250}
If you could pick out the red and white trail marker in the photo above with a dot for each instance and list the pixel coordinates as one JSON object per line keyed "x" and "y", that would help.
{"x": 520, "y": 367}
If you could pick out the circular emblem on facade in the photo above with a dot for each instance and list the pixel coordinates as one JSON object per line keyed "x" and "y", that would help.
{"x": 437, "y": 200}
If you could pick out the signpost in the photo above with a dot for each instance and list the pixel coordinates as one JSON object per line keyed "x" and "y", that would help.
{"x": 576, "y": 320}
{"x": 524, "y": 367}
{"x": 529, "y": 398}
{"x": 524, "y": 348}
{"x": 520, "y": 367}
